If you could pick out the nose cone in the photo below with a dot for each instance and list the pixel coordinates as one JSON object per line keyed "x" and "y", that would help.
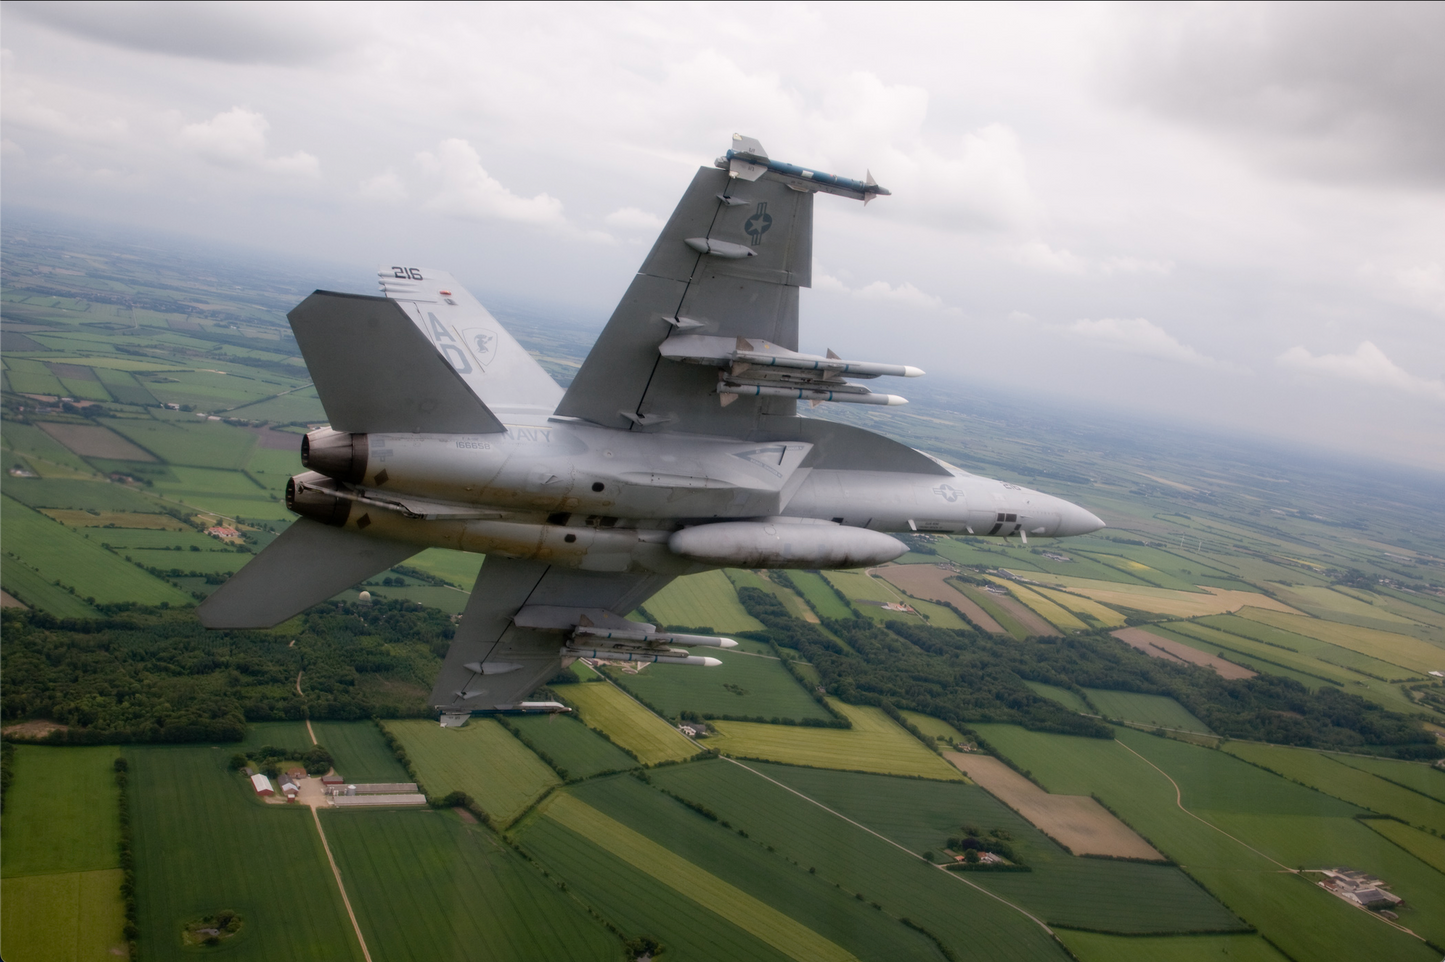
{"x": 1074, "y": 520}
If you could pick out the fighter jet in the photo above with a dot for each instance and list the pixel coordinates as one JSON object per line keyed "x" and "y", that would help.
{"x": 678, "y": 448}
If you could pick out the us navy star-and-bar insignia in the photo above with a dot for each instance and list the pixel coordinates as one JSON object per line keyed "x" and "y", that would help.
{"x": 758, "y": 224}
{"x": 947, "y": 492}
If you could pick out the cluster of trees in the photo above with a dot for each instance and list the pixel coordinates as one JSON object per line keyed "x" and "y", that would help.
{"x": 155, "y": 675}
{"x": 964, "y": 676}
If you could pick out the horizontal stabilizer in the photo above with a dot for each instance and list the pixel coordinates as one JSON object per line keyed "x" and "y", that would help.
{"x": 309, "y": 563}
{"x": 376, "y": 373}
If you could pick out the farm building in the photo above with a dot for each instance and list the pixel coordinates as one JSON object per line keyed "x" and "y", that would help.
{"x": 1360, "y": 888}
{"x": 332, "y": 779}
{"x": 262, "y": 784}
{"x": 363, "y": 801}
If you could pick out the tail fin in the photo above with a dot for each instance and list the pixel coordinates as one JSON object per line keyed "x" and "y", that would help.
{"x": 309, "y": 563}
{"x": 375, "y": 373}
{"x": 493, "y": 364}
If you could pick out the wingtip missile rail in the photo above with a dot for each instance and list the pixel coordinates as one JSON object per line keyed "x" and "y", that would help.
{"x": 747, "y": 160}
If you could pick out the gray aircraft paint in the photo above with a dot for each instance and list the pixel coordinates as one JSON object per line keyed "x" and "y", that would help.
{"x": 654, "y": 464}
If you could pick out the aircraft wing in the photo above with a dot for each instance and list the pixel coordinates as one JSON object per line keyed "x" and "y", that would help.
{"x": 493, "y": 663}
{"x": 729, "y": 263}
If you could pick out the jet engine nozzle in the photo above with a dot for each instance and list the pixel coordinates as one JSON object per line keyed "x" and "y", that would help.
{"x": 785, "y": 544}
{"x": 311, "y": 496}
{"x": 336, "y": 454}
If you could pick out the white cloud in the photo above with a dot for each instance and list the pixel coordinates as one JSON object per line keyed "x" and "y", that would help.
{"x": 385, "y": 186}
{"x": 905, "y": 293}
{"x": 237, "y": 138}
{"x": 1041, "y": 256}
{"x": 632, "y": 219}
{"x": 1368, "y": 365}
{"x": 975, "y": 181}
{"x": 1142, "y": 337}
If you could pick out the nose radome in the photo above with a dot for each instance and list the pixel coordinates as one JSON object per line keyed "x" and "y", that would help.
{"x": 1074, "y": 520}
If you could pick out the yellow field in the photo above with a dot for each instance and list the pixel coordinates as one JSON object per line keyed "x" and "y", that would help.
{"x": 706, "y": 599}
{"x": 788, "y": 936}
{"x": 1164, "y": 601}
{"x": 482, "y": 759}
{"x": 1332, "y": 600}
{"x": 1044, "y": 607}
{"x": 1402, "y": 650}
{"x": 73, "y": 916}
{"x": 607, "y": 708}
{"x": 1107, "y": 617}
{"x": 934, "y": 727}
{"x": 120, "y": 519}
{"x": 874, "y": 744}
{"x": 1428, "y": 848}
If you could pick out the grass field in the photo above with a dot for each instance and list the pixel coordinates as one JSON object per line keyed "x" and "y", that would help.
{"x": 360, "y": 753}
{"x": 628, "y": 724}
{"x": 742, "y": 578}
{"x": 994, "y": 609}
{"x": 935, "y": 728}
{"x": 744, "y": 684}
{"x": 206, "y": 444}
{"x": 572, "y": 745}
{"x": 1157, "y": 710}
{"x": 874, "y": 744}
{"x": 1429, "y": 849}
{"x": 59, "y": 553}
{"x": 1063, "y": 696}
{"x": 1102, "y": 894}
{"x": 1323, "y": 772}
{"x": 1323, "y": 655}
{"x": 427, "y": 887}
{"x": 1402, "y": 650}
{"x": 860, "y": 587}
{"x": 704, "y": 600}
{"x": 1327, "y": 601}
{"x": 820, "y": 595}
{"x": 970, "y": 923}
{"x": 1096, "y": 947}
{"x": 70, "y": 917}
{"x": 1164, "y": 601}
{"x": 203, "y": 842}
{"x": 1304, "y": 921}
{"x": 29, "y": 586}
{"x": 482, "y": 759}
{"x": 1418, "y": 776}
{"x": 1043, "y": 606}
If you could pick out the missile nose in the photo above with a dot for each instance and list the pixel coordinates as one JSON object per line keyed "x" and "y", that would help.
{"x": 710, "y": 662}
{"x": 1074, "y": 520}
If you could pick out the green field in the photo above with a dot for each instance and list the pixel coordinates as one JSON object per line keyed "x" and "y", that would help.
{"x": 69, "y": 917}
{"x": 860, "y": 587}
{"x": 1279, "y": 641}
{"x": 1403, "y": 650}
{"x": 747, "y": 685}
{"x": 204, "y": 842}
{"x": 29, "y": 586}
{"x": 820, "y": 595}
{"x": 1155, "y": 710}
{"x": 1063, "y": 696}
{"x": 78, "y": 494}
{"x": 935, "y": 728}
{"x": 359, "y": 751}
{"x": 427, "y": 887}
{"x": 482, "y": 759}
{"x": 1264, "y": 814}
{"x": 797, "y": 607}
{"x": 1095, "y": 947}
{"x": 571, "y": 745}
{"x": 1046, "y": 608}
{"x": 1429, "y": 849}
{"x": 1100, "y": 894}
{"x": 186, "y": 440}
{"x": 704, "y": 600}
{"x": 56, "y": 552}
{"x": 1417, "y": 776}
{"x": 609, "y": 709}
{"x": 968, "y": 921}
{"x": 458, "y": 567}
{"x": 1325, "y": 773}
{"x": 874, "y": 744}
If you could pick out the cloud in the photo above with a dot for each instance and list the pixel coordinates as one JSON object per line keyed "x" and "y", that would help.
{"x": 385, "y": 186}
{"x": 466, "y": 189}
{"x": 1144, "y": 338}
{"x": 977, "y": 181}
{"x": 1040, "y": 256}
{"x": 242, "y": 33}
{"x": 905, "y": 293}
{"x": 632, "y": 219}
{"x": 1368, "y": 365}
{"x": 237, "y": 138}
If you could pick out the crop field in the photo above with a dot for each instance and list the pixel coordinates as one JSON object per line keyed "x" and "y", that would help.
{"x": 185, "y": 440}
{"x": 1166, "y": 601}
{"x": 1095, "y": 947}
{"x": 790, "y": 901}
{"x": 94, "y": 441}
{"x": 482, "y": 759}
{"x": 572, "y": 745}
{"x": 203, "y": 842}
{"x": 60, "y": 813}
{"x": 704, "y": 600}
{"x": 1402, "y": 650}
{"x": 938, "y": 615}
{"x": 1077, "y": 822}
{"x": 359, "y": 752}
{"x": 1418, "y": 776}
{"x": 1303, "y": 920}
{"x": 1284, "y": 642}
{"x": 30, "y": 587}
{"x": 1357, "y": 787}
{"x": 1323, "y": 602}
{"x": 1156, "y": 710}
{"x": 1044, "y": 607}
{"x": 874, "y": 744}
{"x": 427, "y": 887}
{"x": 120, "y": 523}
{"x": 860, "y": 588}
{"x": 1087, "y": 610}
{"x": 746, "y": 685}
{"x": 820, "y": 595}
{"x": 929, "y": 583}
{"x": 935, "y": 728}
{"x": 77, "y": 916}
{"x": 1063, "y": 696}
{"x": 59, "y": 553}
{"x": 1429, "y": 849}
{"x": 628, "y": 724}
{"x": 1156, "y": 645}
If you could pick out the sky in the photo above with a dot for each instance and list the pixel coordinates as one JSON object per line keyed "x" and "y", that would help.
{"x": 1216, "y": 214}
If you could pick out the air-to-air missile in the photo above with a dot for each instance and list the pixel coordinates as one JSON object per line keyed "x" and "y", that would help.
{"x": 677, "y": 448}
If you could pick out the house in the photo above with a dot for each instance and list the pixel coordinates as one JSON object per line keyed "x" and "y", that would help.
{"x": 332, "y": 779}
{"x": 296, "y": 775}
{"x": 262, "y": 784}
